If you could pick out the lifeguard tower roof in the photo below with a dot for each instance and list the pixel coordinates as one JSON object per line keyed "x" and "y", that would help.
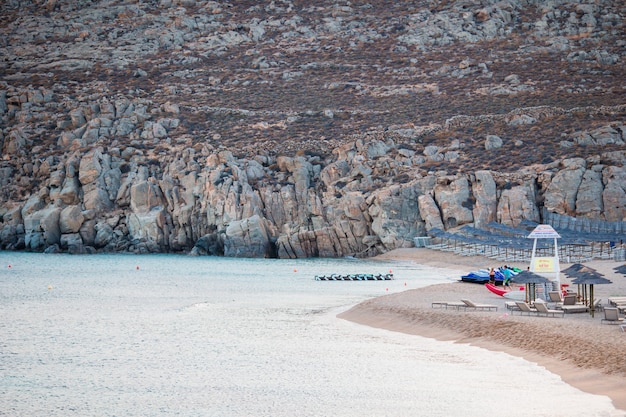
{"x": 544, "y": 231}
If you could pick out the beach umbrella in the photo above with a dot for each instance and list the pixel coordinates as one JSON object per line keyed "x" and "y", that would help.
{"x": 591, "y": 279}
{"x": 577, "y": 270}
{"x": 620, "y": 269}
{"x": 530, "y": 280}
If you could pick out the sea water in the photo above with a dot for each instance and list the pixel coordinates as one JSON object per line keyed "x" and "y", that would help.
{"x": 167, "y": 335}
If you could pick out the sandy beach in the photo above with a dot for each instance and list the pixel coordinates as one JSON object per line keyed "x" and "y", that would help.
{"x": 586, "y": 354}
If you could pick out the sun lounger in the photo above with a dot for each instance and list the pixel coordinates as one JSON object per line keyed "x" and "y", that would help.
{"x": 597, "y": 305}
{"x": 542, "y": 309}
{"x": 476, "y": 306}
{"x": 445, "y": 304}
{"x": 510, "y": 305}
{"x": 524, "y": 308}
{"x": 611, "y": 316}
{"x": 577, "y": 308}
{"x": 555, "y": 296}
{"x": 570, "y": 305}
{"x": 570, "y": 299}
{"x": 617, "y": 300}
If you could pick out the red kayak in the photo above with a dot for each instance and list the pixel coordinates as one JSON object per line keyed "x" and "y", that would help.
{"x": 499, "y": 290}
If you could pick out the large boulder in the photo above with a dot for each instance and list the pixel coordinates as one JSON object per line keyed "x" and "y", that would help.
{"x": 104, "y": 235}
{"x": 247, "y": 238}
{"x": 71, "y": 219}
{"x": 614, "y": 194}
{"x": 493, "y": 142}
{"x": 72, "y": 243}
{"x": 516, "y": 204}
{"x": 395, "y": 216}
{"x": 589, "y": 197}
{"x": 144, "y": 196}
{"x": 484, "y": 192}
{"x": 560, "y": 195}
{"x": 430, "y": 212}
{"x": 147, "y": 229}
{"x": 90, "y": 167}
{"x": 70, "y": 192}
{"x": 452, "y": 195}
{"x": 42, "y": 228}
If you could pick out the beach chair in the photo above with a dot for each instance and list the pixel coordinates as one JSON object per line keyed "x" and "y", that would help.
{"x": 570, "y": 305}
{"x": 577, "y": 308}
{"x": 570, "y": 299}
{"x": 525, "y": 308}
{"x": 510, "y": 305}
{"x": 542, "y": 309}
{"x": 615, "y": 301}
{"x": 555, "y": 297}
{"x": 445, "y": 304}
{"x": 597, "y": 304}
{"x": 476, "y": 306}
{"x": 611, "y": 316}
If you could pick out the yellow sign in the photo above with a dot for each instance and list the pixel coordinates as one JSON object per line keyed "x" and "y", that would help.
{"x": 544, "y": 265}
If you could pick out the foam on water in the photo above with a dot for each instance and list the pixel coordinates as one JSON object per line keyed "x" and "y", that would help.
{"x": 172, "y": 335}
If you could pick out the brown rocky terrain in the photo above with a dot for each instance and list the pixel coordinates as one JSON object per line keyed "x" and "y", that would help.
{"x": 294, "y": 129}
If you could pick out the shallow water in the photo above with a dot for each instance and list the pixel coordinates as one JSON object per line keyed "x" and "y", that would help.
{"x": 113, "y": 335}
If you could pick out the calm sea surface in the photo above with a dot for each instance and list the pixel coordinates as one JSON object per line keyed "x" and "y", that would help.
{"x": 161, "y": 335}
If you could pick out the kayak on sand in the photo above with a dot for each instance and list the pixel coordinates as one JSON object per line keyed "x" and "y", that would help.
{"x": 499, "y": 290}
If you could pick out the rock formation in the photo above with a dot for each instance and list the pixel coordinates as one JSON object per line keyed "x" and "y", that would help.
{"x": 290, "y": 130}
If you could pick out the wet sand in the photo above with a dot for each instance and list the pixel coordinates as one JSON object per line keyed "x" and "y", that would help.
{"x": 585, "y": 353}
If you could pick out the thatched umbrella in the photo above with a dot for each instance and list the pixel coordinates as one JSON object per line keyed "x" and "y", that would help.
{"x": 575, "y": 268}
{"x": 578, "y": 270}
{"x": 530, "y": 280}
{"x": 591, "y": 279}
{"x": 620, "y": 269}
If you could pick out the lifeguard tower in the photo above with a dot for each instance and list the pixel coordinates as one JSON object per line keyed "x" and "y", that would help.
{"x": 542, "y": 263}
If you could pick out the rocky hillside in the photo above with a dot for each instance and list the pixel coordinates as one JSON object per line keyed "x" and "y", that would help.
{"x": 296, "y": 129}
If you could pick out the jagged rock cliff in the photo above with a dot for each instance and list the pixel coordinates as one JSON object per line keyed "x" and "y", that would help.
{"x": 294, "y": 130}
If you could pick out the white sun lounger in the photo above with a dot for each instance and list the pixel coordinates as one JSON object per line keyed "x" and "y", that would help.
{"x": 445, "y": 304}
{"x": 542, "y": 309}
{"x": 476, "y": 306}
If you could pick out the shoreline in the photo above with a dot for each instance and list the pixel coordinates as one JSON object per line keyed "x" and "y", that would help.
{"x": 586, "y": 354}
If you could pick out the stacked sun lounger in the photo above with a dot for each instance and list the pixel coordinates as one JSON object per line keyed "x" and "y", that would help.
{"x": 464, "y": 304}
{"x": 543, "y": 310}
{"x": 448, "y": 304}
{"x": 619, "y": 302}
{"x": 539, "y": 308}
{"x": 571, "y": 305}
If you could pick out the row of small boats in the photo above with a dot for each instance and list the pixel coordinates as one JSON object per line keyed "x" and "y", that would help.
{"x": 482, "y": 277}
{"x": 354, "y": 277}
